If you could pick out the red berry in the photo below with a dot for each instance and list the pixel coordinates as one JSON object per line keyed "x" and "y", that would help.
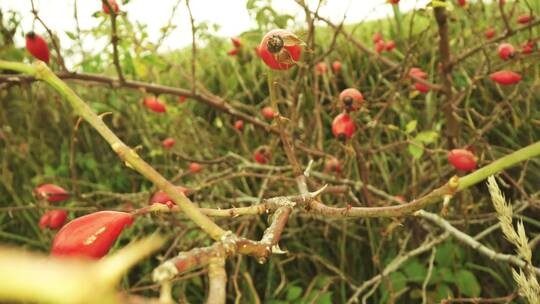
{"x": 343, "y": 126}
{"x": 462, "y": 159}
{"x": 236, "y": 42}
{"x": 268, "y": 113}
{"x": 233, "y": 52}
{"x": 506, "y": 51}
{"x": 351, "y": 99}
{"x": 490, "y": 33}
{"x": 321, "y": 68}
{"x": 377, "y": 37}
{"x": 90, "y": 236}
{"x": 528, "y": 47}
{"x": 181, "y": 99}
{"x": 390, "y": 45}
{"x": 380, "y": 46}
{"x": 336, "y": 67}
{"x": 168, "y": 143}
{"x": 462, "y": 2}
{"x": 262, "y": 155}
{"x": 239, "y": 125}
{"x": 160, "y": 197}
{"x": 113, "y": 4}
{"x": 524, "y": 19}
{"x": 51, "y": 192}
{"x": 332, "y": 165}
{"x": 393, "y": 1}
{"x": 505, "y": 77}
{"x": 195, "y": 168}
{"x": 37, "y": 46}
{"x": 280, "y": 49}
{"x": 417, "y": 72}
{"x": 422, "y": 88}
{"x": 53, "y": 219}
{"x": 153, "y": 104}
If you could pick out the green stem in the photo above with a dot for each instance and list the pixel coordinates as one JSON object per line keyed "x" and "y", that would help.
{"x": 41, "y": 71}
{"x": 497, "y": 166}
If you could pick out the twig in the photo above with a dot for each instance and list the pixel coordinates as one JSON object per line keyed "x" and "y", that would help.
{"x": 469, "y": 241}
{"x": 193, "y": 50}
{"x": 114, "y": 40}
{"x": 428, "y": 276}
{"x": 396, "y": 263}
{"x": 218, "y": 281}
{"x": 386, "y": 61}
{"x": 209, "y": 99}
{"x": 452, "y": 125}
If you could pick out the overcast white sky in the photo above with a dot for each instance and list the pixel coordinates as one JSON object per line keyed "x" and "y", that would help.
{"x": 231, "y": 15}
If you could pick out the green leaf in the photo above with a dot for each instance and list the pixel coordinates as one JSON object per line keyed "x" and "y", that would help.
{"x": 435, "y": 3}
{"x": 427, "y": 137}
{"x": 398, "y": 281}
{"x": 325, "y": 298}
{"x": 467, "y": 283}
{"x": 445, "y": 254}
{"x": 392, "y": 127}
{"x": 293, "y": 292}
{"x": 416, "y": 149}
{"x": 71, "y": 35}
{"x": 443, "y": 292}
{"x": 415, "y": 271}
{"x": 411, "y": 126}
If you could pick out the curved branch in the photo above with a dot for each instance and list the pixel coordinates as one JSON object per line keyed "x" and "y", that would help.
{"x": 218, "y": 281}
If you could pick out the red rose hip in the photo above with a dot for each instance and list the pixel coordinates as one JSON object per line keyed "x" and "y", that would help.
{"x": 195, "y": 168}
{"x": 462, "y": 159}
{"x": 161, "y": 197}
{"x": 113, "y": 4}
{"x": 336, "y": 67}
{"x": 267, "y": 113}
{"x": 51, "y": 193}
{"x": 343, "y": 126}
{"x": 490, "y": 33}
{"x": 280, "y": 49}
{"x": 168, "y": 143}
{"x": 153, "y": 104}
{"x": 239, "y": 125}
{"x": 506, "y": 51}
{"x": 351, "y": 99}
{"x": 36, "y": 45}
{"x": 90, "y": 236}
{"x": 505, "y": 77}
{"x": 262, "y": 155}
{"x": 53, "y": 219}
